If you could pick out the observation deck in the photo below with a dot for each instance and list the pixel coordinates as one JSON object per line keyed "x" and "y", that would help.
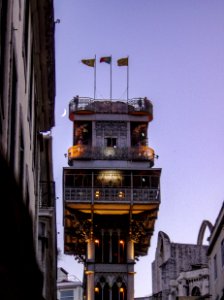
{"x": 91, "y": 187}
{"x": 85, "y": 152}
{"x": 117, "y": 198}
{"x": 134, "y": 106}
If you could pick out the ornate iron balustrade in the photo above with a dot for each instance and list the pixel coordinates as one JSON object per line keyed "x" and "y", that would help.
{"x": 141, "y": 153}
{"x": 78, "y": 194}
{"x": 91, "y": 105}
{"x": 141, "y": 105}
{"x": 121, "y": 195}
{"x": 111, "y": 267}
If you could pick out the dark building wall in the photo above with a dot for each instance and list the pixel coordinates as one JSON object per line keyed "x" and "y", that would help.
{"x": 27, "y": 91}
{"x": 19, "y": 271}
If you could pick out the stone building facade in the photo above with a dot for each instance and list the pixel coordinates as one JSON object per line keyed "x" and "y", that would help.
{"x": 191, "y": 271}
{"x": 216, "y": 257}
{"x": 27, "y": 95}
{"x": 179, "y": 270}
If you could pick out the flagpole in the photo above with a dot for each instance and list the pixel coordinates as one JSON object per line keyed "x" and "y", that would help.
{"x": 111, "y": 79}
{"x": 128, "y": 79}
{"x": 95, "y": 79}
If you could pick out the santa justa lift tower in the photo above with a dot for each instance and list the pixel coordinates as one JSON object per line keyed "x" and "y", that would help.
{"x": 111, "y": 193}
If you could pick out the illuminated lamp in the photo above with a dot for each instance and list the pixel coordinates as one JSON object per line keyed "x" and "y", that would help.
{"x": 109, "y": 151}
{"x": 75, "y": 151}
{"x": 108, "y": 176}
{"x": 97, "y": 194}
{"x": 89, "y": 272}
{"x": 146, "y": 152}
{"x": 121, "y": 195}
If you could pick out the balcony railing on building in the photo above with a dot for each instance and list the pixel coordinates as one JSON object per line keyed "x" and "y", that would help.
{"x": 47, "y": 194}
{"x": 111, "y": 195}
{"x": 85, "y": 152}
{"x": 89, "y": 105}
{"x": 94, "y": 188}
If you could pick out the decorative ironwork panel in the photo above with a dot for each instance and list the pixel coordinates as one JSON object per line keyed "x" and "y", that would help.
{"x": 112, "y": 268}
{"x": 120, "y": 195}
{"x": 78, "y": 194}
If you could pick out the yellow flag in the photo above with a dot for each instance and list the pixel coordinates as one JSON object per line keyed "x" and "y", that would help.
{"x": 122, "y": 62}
{"x": 89, "y": 62}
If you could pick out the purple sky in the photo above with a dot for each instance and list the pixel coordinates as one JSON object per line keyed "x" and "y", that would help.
{"x": 176, "y": 54}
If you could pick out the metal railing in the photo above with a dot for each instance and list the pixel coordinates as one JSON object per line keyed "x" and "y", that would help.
{"x": 141, "y": 153}
{"x": 142, "y": 105}
{"x": 121, "y": 195}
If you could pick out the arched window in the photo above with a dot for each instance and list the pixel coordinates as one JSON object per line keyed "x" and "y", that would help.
{"x": 98, "y": 292}
{"x": 106, "y": 292}
{"x": 119, "y": 290}
{"x": 115, "y": 292}
{"x": 123, "y": 292}
{"x": 196, "y": 291}
{"x": 222, "y": 251}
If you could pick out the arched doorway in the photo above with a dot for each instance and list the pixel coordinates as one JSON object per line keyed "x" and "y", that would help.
{"x": 195, "y": 291}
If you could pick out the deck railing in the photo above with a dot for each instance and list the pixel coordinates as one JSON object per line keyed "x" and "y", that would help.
{"x": 78, "y": 105}
{"x": 121, "y": 195}
{"x": 141, "y": 153}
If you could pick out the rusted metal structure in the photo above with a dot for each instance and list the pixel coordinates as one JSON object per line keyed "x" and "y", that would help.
{"x": 111, "y": 193}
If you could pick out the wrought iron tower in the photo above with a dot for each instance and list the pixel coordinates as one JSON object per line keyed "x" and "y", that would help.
{"x": 111, "y": 193}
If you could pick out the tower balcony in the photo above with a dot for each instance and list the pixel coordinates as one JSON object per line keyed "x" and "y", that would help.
{"x": 108, "y": 195}
{"x": 127, "y": 200}
{"x": 85, "y": 152}
{"x": 135, "y": 106}
{"x": 111, "y": 187}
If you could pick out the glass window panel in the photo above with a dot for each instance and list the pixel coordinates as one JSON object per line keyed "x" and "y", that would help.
{"x": 67, "y": 295}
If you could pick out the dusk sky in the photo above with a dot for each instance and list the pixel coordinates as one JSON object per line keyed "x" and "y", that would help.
{"x": 176, "y": 59}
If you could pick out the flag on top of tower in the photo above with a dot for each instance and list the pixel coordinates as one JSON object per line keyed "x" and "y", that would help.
{"x": 122, "y": 62}
{"x": 89, "y": 62}
{"x": 106, "y": 59}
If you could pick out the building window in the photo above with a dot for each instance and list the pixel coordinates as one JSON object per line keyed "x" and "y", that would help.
{"x": 215, "y": 266}
{"x": 187, "y": 290}
{"x": 196, "y": 291}
{"x": 43, "y": 240}
{"x": 222, "y": 251}
{"x": 3, "y": 19}
{"x": 21, "y": 158}
{"x": 111, "y": 142}
{"x": 27, "y": 198}
{"x": 67, "y": 295}
{"x": 26, "y": 29}
{"x": 13, "y": 113}
{"x": 30, "y": 91}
